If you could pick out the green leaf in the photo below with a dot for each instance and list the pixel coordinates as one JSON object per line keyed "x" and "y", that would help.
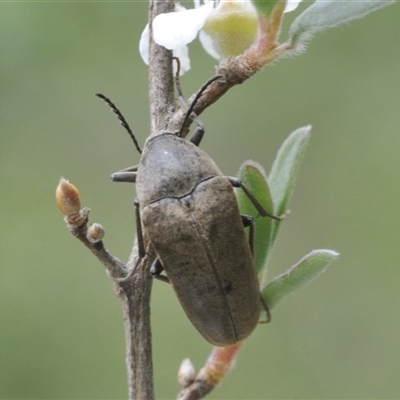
{"x": 253, "y": 176}
{"x": 325, "y": 14}
{"x": 284, "y": 171}
{"x": 307, "y": 269}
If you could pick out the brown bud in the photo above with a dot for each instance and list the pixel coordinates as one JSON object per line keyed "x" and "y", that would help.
{"x": 95, "y": 233}
{"x": 68, "y": 198}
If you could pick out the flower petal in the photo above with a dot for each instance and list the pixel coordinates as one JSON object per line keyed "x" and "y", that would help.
{"x": 291, "y": 5}
{"x": 208, "y": 46}
{"x": 183, "y": 54}
{"x": 144, "y": 45}
{"x": 177, "y": 29}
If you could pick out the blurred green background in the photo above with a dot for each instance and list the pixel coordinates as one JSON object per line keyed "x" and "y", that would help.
{"x": 61, "y": 329}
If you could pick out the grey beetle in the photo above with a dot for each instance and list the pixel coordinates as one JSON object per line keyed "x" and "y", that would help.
{"x": 191, "y": 217}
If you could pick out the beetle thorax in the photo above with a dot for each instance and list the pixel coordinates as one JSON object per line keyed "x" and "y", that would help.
{"x": 171, "y": 167}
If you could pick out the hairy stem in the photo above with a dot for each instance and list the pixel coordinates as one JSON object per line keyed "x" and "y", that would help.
{"x": 217, "y": 366}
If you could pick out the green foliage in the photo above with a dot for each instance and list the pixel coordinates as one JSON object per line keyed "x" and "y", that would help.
{"x": 284, "y": 170}
{"x": 274, "y": 194}
{"x": 327, "y": 14}
{"x": 253, "y": 176}
{"x": 308, "y": 268}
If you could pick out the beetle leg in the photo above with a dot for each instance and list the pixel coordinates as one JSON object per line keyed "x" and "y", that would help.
{"x": 239, "y": 184}
{"x": 134, "y": 168}
{"x": 266, "y": 308}
{"x": 156, "y": 269}
{"x": 125, "y": 175}
{"x": 248, "y": 221}
{"x": 198, "y": 134}
{"x": 139, "y": 232}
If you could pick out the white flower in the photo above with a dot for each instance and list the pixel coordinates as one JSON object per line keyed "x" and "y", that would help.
{"x": 179, "y": 28}
{"x": 236, "y": 18}
{"x": 230, "y": 30}
{"x": 181, "y": 52}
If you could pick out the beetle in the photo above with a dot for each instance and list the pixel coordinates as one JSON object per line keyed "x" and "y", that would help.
{"x": 190, "y": 215}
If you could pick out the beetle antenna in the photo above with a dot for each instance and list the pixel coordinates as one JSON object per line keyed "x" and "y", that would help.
{"x": 181, "y": 98}
{"x": 121, "y": 118}
{"x": 199, "y": 94}
{"x": 190, "y": 113}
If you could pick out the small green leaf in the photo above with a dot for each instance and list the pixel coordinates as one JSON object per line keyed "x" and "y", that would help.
{"x": 325, "y": 14}
{"x": 307, "y": 269}
{"x": 284, "y": 170}
{"x": 253, "y": 176}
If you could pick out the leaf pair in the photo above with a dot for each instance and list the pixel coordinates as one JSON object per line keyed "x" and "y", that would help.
{"x": 274, "y": 193}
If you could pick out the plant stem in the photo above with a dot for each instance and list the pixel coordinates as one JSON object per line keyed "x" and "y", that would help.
{"x": 135, "y": 297}
{"x": 161, "y": 83}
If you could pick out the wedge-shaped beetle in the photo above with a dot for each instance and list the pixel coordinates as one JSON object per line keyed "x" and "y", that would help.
{"x": 191, "y": 217}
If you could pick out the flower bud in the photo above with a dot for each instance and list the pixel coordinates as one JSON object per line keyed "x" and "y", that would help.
{"x": 187, "y": 373}
{"x": 68, "y": 198}
{"x": 95, "y": 233}
{"x": 231, "y": 29}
